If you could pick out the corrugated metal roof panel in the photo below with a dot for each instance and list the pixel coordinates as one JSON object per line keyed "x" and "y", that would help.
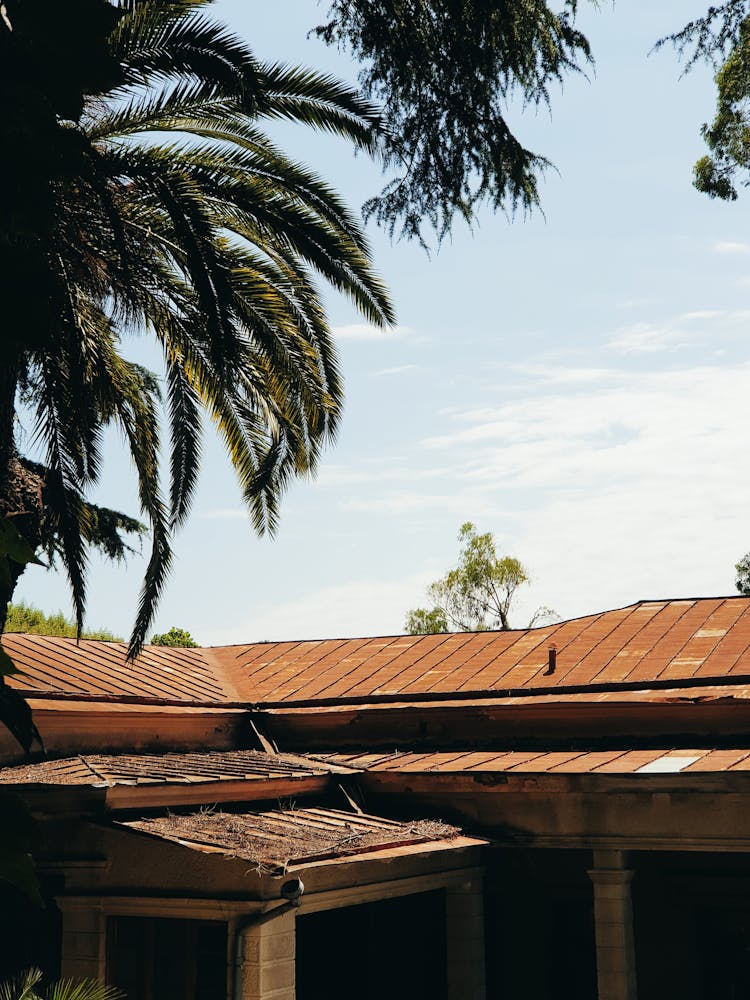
{"x": 91, "y": 667}
{"x": 114, "y": 769}
{"x": 556, "y": 762}
{"x": 649, "y": 641}
{"x": 656, "y": 641}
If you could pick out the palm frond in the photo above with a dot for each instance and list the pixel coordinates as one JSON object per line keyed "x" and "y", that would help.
{"x": 185, "y": 438}
{"x": 321, "y": 101}
{"x": 158, "y": 41}
{"x": 63, "y": 488}
{"x": 22, "y": 986}
{"x": 182, "y": 218}
{"x": 82, "y": 989}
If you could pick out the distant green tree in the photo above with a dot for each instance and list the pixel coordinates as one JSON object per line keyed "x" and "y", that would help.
{"x": 421, "y": 621}
{"x": 174, "y": 637}
{"x": 721, "y": 38}
{"x": 478, "y": 594}
{"x": 742, "y": 569}
{"x": 26, "y": 618}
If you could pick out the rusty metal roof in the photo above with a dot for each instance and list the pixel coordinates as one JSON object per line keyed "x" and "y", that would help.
{"x": 645, "y": 642}
{"x": 273, "y": 840}
{"x": 548, "y": 762}
{"x": 702, "y": 641}
{"x": 92, "y": 667}
{"x": 169, "y": 768}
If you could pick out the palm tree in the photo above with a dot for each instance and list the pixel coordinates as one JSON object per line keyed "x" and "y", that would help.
{"x": 170, "y": 210}
{"x": 25, "y": 987}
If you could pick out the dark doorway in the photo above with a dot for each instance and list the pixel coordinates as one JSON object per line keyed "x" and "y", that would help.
{"x": 30, "y": 935}
{"x": 390, "y": 950}
{"x": 154, "y": 959}
{"x": 724, "y": 954}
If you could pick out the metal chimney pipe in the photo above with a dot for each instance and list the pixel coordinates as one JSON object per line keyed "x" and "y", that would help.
{"x": 551, "y": 660}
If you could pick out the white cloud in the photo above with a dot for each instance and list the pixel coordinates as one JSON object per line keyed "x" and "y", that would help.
{"x": 390, "y": 470}
{"x": 224, "y": 514}
{"x": 701, "y": 314}
{"x": 559, "y": 375}
{"x": 638, "y": 338}
{"x": 368, "y": 331}
{"x": 404, "y": 502}
{"x": 635, "y": 488}
{"x": 628, "y": 485}
{"x": 355, "y": 608}
{"x": 685, "y": 330}
{"x": 731, "y": 247}
{"x": 636, "y": 303}
{"x": 396, "y": 370}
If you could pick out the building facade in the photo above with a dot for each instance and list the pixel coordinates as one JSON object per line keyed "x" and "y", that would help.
{"x": 561, "y": 812}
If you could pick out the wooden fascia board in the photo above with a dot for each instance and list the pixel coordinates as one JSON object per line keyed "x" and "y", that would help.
{"x": 482, "y": 783}
{"x": 60, "y": 800}
{"x": 474, "y": 723}
{"x": 392, "y": 852}
{"x": 148, "y": 796}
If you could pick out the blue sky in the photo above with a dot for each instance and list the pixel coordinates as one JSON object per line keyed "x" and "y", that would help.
{"x": 574, "y": 382}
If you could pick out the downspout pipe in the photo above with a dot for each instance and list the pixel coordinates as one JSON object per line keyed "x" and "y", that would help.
{"x": 291, "y": 891}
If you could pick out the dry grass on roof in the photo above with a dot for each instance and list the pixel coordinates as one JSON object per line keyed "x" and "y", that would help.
{"x": 273, "y": 840}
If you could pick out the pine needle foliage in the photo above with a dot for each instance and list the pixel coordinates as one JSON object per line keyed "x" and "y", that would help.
{"x": 448, "y": 73}
{"x": 721, "y": 38}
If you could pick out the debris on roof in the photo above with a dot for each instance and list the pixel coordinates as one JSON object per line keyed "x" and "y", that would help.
{"x": 274, "y": 840}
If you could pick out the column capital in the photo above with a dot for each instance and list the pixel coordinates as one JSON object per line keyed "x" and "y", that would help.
{"x": 611, "y": 876}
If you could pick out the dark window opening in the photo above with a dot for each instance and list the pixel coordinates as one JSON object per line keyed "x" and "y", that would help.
{"x": 390, "y": 950}
{"x": 150, "y": 958}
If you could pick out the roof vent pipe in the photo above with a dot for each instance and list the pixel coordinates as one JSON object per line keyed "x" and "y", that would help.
{"x": 551, "y": 660}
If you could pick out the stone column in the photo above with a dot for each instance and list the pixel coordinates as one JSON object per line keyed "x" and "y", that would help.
{"x": 266, "y": 960}
{"x": 464, "y": 912}
{"x": 613, "y": 916}
{"x": 83, "y": 940}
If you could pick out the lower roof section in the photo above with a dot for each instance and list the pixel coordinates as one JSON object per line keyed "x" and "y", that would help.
{"x": 137, "y": 780}
{"x": 170, "y": 768}
{"x": 643, "y": 762}
{"x": 276, "y": 840}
